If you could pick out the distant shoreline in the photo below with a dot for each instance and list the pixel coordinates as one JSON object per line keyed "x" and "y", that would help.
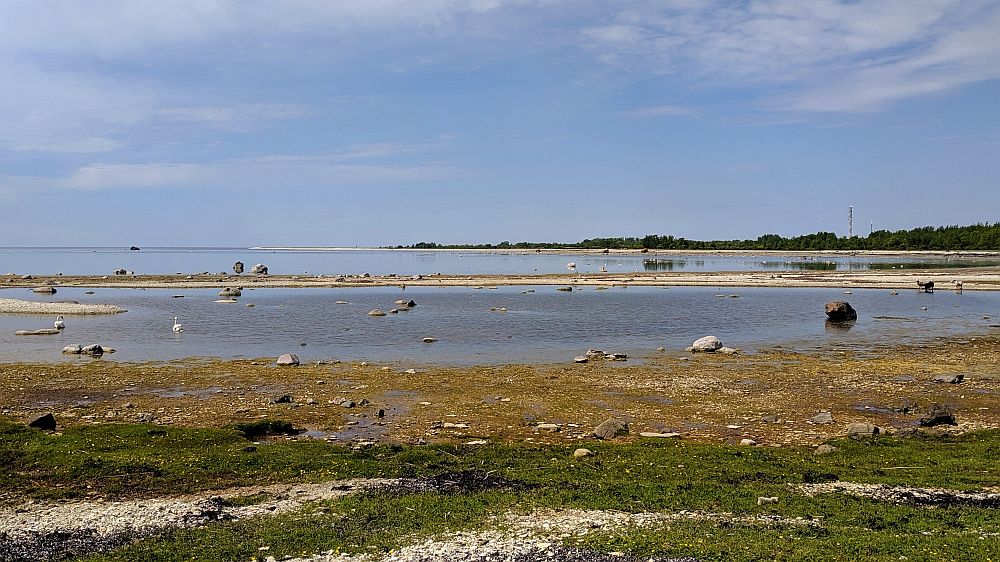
{"x": 632, "y": 252}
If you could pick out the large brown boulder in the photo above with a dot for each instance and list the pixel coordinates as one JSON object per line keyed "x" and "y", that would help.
{"x": 840, "y": 311}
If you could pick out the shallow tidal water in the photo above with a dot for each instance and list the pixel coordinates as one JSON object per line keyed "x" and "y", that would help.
{"x": 540, "y": 326}
{"x": 164, "y": 261}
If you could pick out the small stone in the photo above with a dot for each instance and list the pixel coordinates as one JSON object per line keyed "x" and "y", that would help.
{"x": 824, "y": 449}
{"x": 375, "y": 312}
{"x": 580, "y": 359}
{"x": 822, "y": 417}
{"x": 938, "y": 415}
{"x": 429, "y": 340}
{"x": 410, "y": 371}
{"x": 288, "y": 359}
{"x": 706, "y": 344}
{"x": 45, "y": 423}
{"x": 862, "y": 429}
{"x": 771, "y": 418}
{"x": 764, "y": 500}
{"x": 77, "y": 349}
{"x": 283, "y": 399}
{"x": 610, "y": 429}
{"x": 553, "y": 427}
{"x": 747, "y": 442}
{"x": 949, "y": 379}
{"x": 581, "y": 453}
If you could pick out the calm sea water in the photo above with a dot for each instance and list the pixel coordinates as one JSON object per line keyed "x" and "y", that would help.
{"x": 103, "y": 261}
{"x": 541, "y": 326}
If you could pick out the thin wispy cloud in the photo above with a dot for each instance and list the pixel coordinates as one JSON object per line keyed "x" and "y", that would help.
{"x": 655, "y": 111}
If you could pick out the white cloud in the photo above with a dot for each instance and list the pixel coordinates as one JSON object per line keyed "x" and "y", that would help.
{"x": 826, "y": 55}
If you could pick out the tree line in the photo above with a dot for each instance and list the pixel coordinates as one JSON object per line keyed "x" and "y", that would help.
{"x": 942, "y": 238}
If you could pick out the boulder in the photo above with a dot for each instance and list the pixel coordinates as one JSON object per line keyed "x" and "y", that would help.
{"x": 46, "y": 290}
{"x": 46, "y": 423}
{"x": 230, "y": 292}
{"x": 840, "y": 311}
{"x": 610, "y": 429}
{"x": 238, "y": 267}
{"x": 375, "y": 312}
{"x": 259, "y": 269}
{"x": 580, "y": 359}
{"x": 938, "y": 415}
{"x": 949, "y": 379}
{"x": 76, "y": 349}
{"x": 92, "y": 349}
{"x": 283, "y": 399}
{"x": 824, "y": 449}
{"x": 862, "y": 429}
{"x": 289, "y": 359}
{"x": 707, "y": 344}
{"x": 581, "y": 453}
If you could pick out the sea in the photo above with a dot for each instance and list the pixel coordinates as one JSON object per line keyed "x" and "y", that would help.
{"x": 488, "y": 325}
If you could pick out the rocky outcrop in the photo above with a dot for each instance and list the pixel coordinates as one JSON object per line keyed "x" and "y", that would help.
{"x": 259, "y": 269}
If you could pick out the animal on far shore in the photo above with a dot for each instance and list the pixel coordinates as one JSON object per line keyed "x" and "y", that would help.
{"x": 928, "y": 287}
{"x": 59, "y": 324}
{"x": 178, "y": 327}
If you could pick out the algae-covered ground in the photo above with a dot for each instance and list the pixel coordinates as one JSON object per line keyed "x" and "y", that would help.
{"x": 166, "y": 461}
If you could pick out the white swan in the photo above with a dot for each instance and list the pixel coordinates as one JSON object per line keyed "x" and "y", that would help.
{"x": 177, "y": 325}
{"x": 59, "y": 324}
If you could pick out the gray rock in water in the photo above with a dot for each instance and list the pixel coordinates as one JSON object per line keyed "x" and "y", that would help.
{"x": 862, "y": 429}
{"x": 76, "y": 349}
{"x": 938, "y": 415}
{"x": 610, "y": 429}
{"x": 230, "y": 292}
{"x": 259, "y": 269}
{"x": 46, "y": 290}
{"x": 376, "y": 312}
{"x": 840, "y": 311}
{"x": 822, "y": 417}
{"x": 238, "y": 267}
{"x": 288, "y": 359}
{"x": 707, "y": 344}
{"x": 93, "y": 349}
{"x": 46, "y": 422}
{"x": 429, "y": 340}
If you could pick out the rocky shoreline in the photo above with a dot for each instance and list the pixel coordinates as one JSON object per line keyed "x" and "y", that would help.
{"x": 953, "y": 279}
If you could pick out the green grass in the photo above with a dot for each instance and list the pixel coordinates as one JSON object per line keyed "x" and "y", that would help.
{"x": 117, "y": 461}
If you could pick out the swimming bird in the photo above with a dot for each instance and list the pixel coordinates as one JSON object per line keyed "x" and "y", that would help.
{"x": 177, "y": 325}
{"x": 59, "y": 324}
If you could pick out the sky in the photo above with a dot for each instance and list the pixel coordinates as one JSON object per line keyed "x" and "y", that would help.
{"x": 383, "y": 122}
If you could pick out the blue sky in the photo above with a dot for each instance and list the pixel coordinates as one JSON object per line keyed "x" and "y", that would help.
{"x": 393, "y": 121}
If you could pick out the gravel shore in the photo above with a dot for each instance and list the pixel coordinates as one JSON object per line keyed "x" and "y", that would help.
{"x": 16, "y": 306}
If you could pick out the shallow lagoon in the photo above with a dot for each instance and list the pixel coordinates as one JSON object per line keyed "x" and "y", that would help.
{"x": 544, "y": 326}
